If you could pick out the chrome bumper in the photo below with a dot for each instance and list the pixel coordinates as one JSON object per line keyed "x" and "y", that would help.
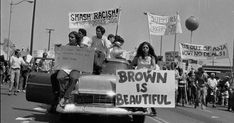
{"x": 91, "y": 109}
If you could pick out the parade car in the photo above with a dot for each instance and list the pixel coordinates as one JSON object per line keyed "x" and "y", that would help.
{"x": 96, "y": 93}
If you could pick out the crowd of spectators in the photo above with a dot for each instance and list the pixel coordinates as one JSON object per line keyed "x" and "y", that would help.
{"x": 198, "y": 88}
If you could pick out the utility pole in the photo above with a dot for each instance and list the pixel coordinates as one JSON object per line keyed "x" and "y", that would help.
{"x": 49, "y": 31}
{"x": 233, "y": 59}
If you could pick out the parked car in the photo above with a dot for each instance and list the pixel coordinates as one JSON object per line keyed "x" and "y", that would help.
{"x": 96, "y": 93}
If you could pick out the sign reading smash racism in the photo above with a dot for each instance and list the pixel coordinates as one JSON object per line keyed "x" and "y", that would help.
{"x": 193, "y": 51}
{"x": 140, "y": 88}
{"x": 74, "y": 58}
{"x": 85, "y": 19}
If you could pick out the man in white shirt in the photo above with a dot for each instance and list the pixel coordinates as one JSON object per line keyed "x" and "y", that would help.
{"x": 15, "y": 65}
{"x": 100, "y": 42}
{"x": 101, "y": 45}
{"x": 45, "y": 65}
{"x": 212, "y": 84}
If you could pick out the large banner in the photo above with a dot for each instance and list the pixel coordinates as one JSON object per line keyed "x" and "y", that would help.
{"x": 86, "y": 19}
{"x": 74, "y": 58}
{"x": 193, "y": 51}
{"x": 140, "y": 88}
{"x": 164, "y": 25}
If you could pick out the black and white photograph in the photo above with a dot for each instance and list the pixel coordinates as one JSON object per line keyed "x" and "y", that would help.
{"x": 112, "y": 61}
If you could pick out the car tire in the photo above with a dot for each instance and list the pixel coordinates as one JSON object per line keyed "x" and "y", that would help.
{"x": 64, "y": 117}
{"x": 138, "y": 118}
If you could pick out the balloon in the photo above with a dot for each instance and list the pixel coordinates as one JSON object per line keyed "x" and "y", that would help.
{"x": 191, "y": 23}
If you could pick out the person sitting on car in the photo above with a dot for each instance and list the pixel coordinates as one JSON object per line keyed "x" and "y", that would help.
{"x": 116, "y": 50}
{"x": 66, "y": 87}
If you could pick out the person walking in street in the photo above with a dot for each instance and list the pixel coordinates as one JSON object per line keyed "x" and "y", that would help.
{"x": 2, "y": 70}
{"x": 182, "y": 85}
{"x": 145, "y": 59}
{"x": 192, "y": 88}
{"x": 24, "y": 75}
{"x": 212, "y": 87}
{"x": 15, "y": 65}
{"x": 201, "y": 81}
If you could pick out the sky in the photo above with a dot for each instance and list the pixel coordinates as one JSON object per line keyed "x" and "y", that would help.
{"x": 215, "y": 19}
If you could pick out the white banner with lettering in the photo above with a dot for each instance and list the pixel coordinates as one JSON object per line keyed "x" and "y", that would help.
{"x": 164, "y": 25}
{"x": 194, "y": 51}
{"x": 140, "y": 88}
{"x": 86, "y": 19}
{"x": 74, "y": 58}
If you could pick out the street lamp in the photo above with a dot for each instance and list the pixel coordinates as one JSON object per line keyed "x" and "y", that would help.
{"x": 32, "y": 30}
{"x": 9, "y": 30}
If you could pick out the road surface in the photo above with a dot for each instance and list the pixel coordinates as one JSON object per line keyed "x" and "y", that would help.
{"x": 16, "y": 109}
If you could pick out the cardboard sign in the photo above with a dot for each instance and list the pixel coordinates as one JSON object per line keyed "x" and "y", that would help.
{"x": 38, "y": 53}
{"x": 74, "y": 58}
{"x": 139, "y": 88}
{"x": 86, "y": 19}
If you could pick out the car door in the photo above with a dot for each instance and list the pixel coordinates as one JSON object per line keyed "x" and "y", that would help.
{"x": 39, "y": 88}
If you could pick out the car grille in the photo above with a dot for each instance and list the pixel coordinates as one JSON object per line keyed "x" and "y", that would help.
{"x": 92, "y": 98}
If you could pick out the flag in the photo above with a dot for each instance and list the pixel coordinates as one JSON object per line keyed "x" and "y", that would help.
{"x": 164, "y": 25}
{"x": 178, "y": 25}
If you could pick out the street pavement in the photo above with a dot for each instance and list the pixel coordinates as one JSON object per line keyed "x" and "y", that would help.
{"x": 16, "y": 109}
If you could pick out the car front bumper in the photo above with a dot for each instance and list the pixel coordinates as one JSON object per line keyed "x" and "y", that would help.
{"x": 101, "y": 110}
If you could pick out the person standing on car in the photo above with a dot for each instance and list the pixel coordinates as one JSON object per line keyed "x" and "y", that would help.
{"x": 15, "y": 64}
{"x": 101, "y": 45}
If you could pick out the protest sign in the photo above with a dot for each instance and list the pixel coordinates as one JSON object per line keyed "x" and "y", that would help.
{"x": 193, "y": 51}
{"x": 164, "y": 25}
{"x": 74, "y": 58}
{"x": 140, "y": 88}
{"x": 86, "y": 19}
{"x": 38, "y": 53}
{"x": 169, "y": 55}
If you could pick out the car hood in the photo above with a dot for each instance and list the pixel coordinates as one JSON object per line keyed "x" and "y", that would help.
{"x": 97, "y": 84}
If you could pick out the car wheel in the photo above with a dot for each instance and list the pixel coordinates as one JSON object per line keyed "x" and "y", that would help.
{"x": 138, "y": 118}
{"x": 64, "y": 117}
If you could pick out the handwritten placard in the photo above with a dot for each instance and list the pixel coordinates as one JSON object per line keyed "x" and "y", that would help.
{"x": 140, "y": 88}
{"x": 74, "y": 58}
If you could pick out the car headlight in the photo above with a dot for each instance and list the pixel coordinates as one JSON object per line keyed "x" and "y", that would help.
{"x": 110, "y": 93}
